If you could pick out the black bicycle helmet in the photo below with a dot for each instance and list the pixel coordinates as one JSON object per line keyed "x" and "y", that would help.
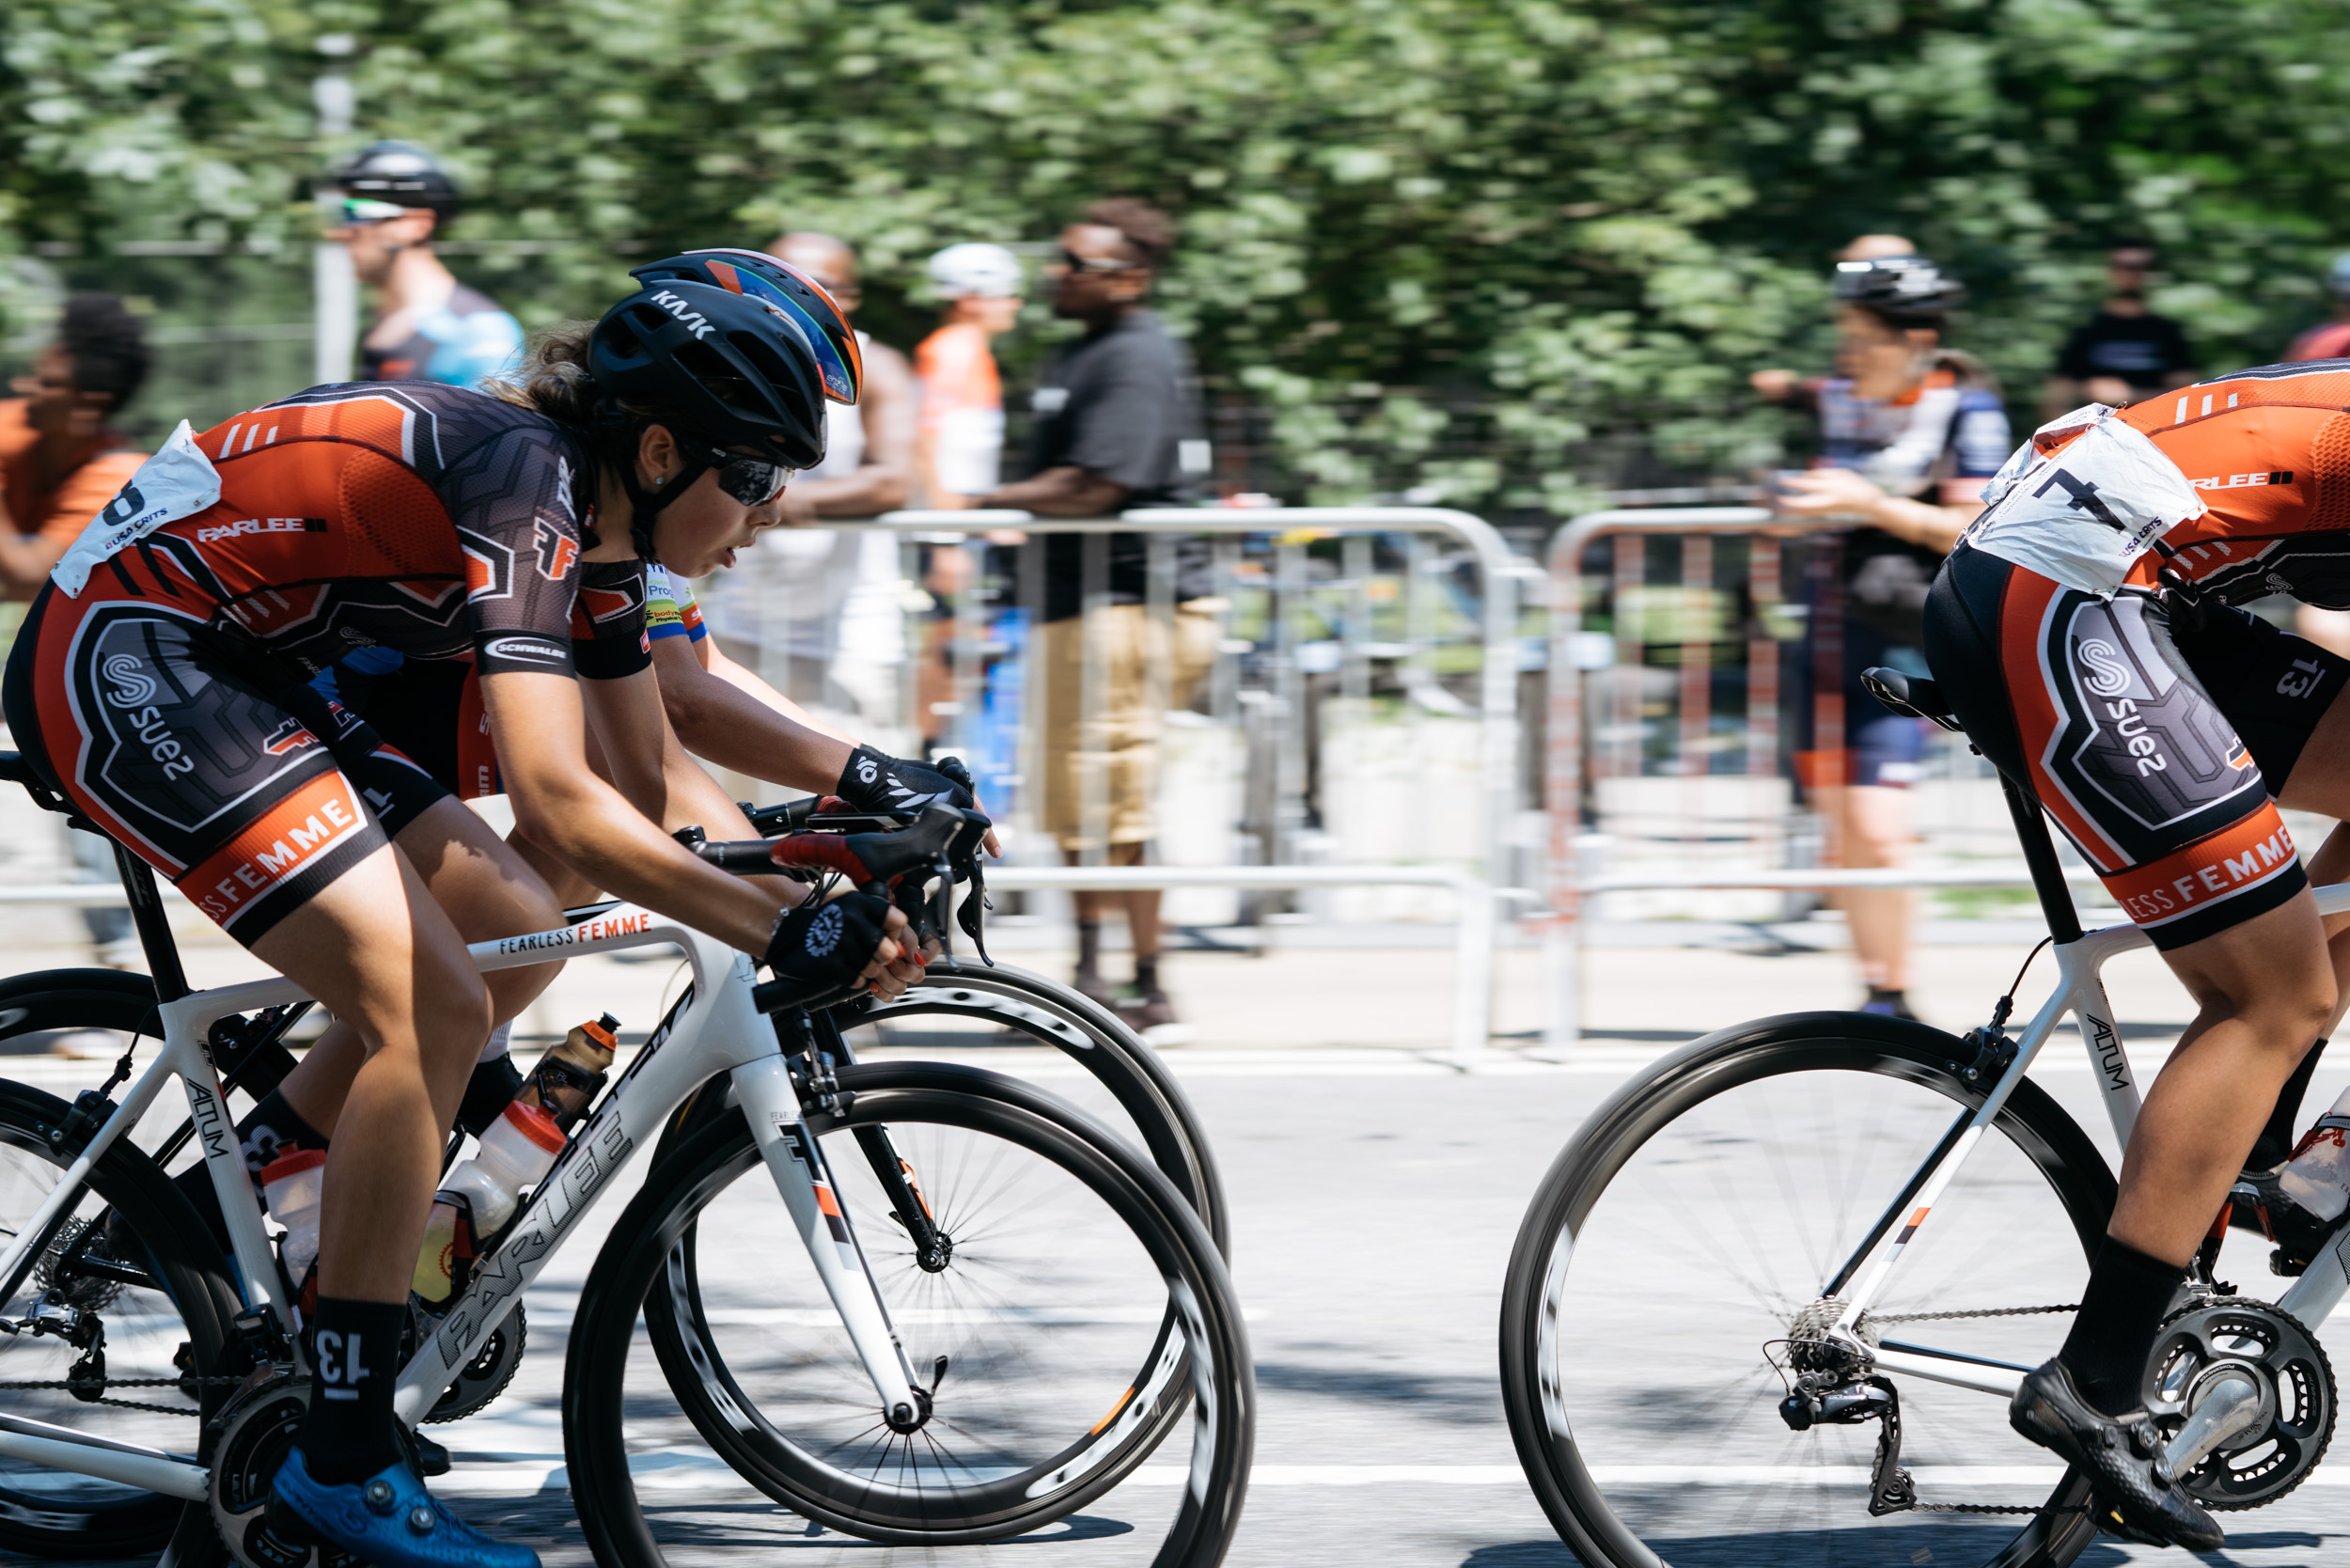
{"x": 727, "y": 371}
{"x": 402, "y": 174}
{"x": 1899, "y": 287}
{"x": 804, "y": 300}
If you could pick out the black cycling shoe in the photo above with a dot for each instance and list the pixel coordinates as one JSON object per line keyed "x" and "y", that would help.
{"x": 2120, "y": 1456}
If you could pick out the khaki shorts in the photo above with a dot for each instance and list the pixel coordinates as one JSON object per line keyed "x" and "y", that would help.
{"x": 1110, "y": 761}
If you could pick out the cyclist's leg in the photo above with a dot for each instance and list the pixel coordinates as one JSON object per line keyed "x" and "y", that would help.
{"x": 2091, "y": 703}
{"x": 2263, "y": 990}
{"x": 487, "y": 891}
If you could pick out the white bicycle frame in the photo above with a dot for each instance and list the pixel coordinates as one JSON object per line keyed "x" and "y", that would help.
{"x": 2080, "y": 992}
{"x": 719, "y": 1030}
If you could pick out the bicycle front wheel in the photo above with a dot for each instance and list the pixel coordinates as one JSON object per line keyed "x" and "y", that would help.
{"x": 1688, "y": 1234}
{"x": 1080, "y": 1311}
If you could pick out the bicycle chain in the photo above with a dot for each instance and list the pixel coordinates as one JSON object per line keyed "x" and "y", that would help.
{"x": 1982, "y": 1313}
{"x": 62, "y": 1384}
{"x": 1922, "y": 1507}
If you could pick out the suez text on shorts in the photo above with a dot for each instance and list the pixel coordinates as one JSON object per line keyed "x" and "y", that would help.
{"x": 2158, "y": 729}
{"x": 162, "y": 680}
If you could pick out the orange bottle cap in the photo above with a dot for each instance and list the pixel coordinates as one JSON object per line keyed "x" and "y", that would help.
{"x": 536, "y": 1125}
{"x": 291, "y": 1164}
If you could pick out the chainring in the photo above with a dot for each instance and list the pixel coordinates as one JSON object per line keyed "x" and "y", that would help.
{"x": 484, "y": 1377}
{"x": 250, "y": 1440}
{"x": 2298, "y": 1403}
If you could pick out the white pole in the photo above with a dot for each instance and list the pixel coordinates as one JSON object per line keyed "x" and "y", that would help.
{"x": 334, "y": 289}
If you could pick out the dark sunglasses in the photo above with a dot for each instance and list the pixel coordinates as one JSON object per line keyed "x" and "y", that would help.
{"x": 1076, "y": 263}
{"x": 753, "y": 481}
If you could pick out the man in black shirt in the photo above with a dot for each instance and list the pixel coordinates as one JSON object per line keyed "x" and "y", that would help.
{"x": 1118, "y": 426}
{"x": 2125, "y": 353}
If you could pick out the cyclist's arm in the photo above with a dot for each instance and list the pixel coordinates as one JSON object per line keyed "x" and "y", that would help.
{"x": 539, "y": 724}
{"x": 737, "y": 727}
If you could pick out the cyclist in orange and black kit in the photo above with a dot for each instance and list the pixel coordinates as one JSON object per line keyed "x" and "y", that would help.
{"x": 161, "y": 683}
{"x": 2086, "y": 632}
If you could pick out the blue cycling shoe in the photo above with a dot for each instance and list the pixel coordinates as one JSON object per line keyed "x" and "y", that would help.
{"x": 389, "y": 1519}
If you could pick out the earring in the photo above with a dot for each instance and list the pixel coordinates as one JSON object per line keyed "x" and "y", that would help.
{"x": 659, "y": 480}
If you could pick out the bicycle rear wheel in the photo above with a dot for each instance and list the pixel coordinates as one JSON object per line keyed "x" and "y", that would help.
{"x": 1672, "y": 1248}
{"x": 161, "y": 1317}
{"x": 1065, "y": 1365}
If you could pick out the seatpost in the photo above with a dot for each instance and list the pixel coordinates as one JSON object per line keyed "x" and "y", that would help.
{"x": 2047, "y": 873}
{"x": 153, "y": 926}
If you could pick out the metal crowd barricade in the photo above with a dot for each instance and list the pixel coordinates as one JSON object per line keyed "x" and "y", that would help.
{"x": 1582, "y": 760}
{"x": 1481, "y": 895}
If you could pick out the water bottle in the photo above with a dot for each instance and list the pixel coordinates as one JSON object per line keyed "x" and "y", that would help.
{"x": 290, "y": 1185}
{"x": 568, "y": 1077}
{"x": 478, "y": 1197}
{"x": 2318, "y": 1177}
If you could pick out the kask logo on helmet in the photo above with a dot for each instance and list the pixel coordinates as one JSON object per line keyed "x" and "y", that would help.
{"x": 693, "y": 320}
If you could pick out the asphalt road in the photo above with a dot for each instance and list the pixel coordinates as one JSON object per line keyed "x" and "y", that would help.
{"x": 1376, "y": 1196}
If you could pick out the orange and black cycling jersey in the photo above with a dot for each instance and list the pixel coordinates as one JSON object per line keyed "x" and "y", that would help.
{"x": 2268, "y": 452}
{"x": 425, "y": 519}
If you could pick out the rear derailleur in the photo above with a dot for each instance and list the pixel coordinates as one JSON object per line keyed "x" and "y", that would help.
{"x": 1820, "y": 1400}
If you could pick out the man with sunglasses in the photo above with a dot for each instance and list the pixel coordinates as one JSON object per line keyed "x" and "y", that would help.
{"x": 427, "y": 326}
{"x": 1118, "y": 425}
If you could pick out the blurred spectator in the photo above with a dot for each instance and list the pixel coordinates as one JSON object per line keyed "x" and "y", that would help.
{"x": 959, "y": 451}
{"x": 427, "y": 325}
{"x": 960, "y": 442}
{"x": 843, "y": 641}
{"x": 1118, "y": 426}
{"x": 1909, "y": 431}
{"x": 2329, "y": 338}
{"x": 2124, "y": 351}
{"x": 60, "y": 463}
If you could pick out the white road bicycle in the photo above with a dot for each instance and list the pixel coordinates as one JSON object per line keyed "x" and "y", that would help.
{"x": 1802, "y": 1255}
{"x": 1003, "y": 1309}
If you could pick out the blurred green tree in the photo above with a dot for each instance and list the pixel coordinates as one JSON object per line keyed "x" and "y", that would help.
{"x": 1460, "y": 248}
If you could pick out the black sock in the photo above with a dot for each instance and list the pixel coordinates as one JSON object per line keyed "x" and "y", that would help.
{"x": 268, "y": 1130}
{"x": 273, "y": 1128}
{"x": 2275, "y": 1144}
{"x": 2121, "y": 1310}
{"x": 1146, "y": 973}
{"x": 1089, "y": 947}
{"x": 347, "y": 1435}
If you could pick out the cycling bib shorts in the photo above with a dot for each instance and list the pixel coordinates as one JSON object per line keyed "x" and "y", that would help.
{"x": 169, "y": 697}
{"x": 2157, "y": 745}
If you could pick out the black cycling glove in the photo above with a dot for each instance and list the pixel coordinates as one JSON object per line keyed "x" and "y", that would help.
{"x": 875, "y": 782}
{"x": 823, "y": 948}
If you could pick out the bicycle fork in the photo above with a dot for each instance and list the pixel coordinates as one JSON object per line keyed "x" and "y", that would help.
{"x": 772, "y": 1105}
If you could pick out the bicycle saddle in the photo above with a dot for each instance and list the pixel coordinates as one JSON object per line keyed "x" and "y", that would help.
{"x": 1911, "y": 696}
